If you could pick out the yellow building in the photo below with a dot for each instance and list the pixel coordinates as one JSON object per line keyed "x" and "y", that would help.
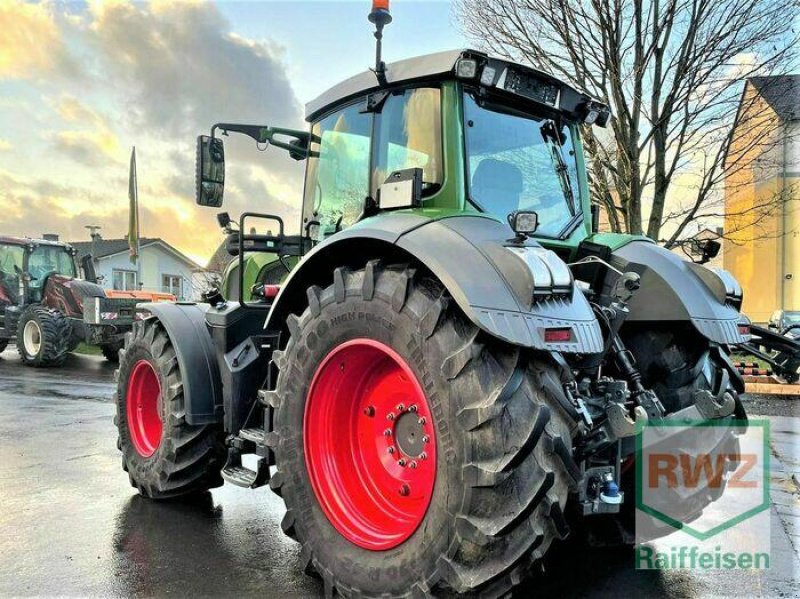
{"x": 762, "y": 196}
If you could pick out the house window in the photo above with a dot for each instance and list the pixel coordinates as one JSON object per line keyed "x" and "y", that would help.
{"x": 124, "y": 280}
{"x": 172, "y": 284}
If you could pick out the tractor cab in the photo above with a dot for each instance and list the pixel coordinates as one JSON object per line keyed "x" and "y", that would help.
{"x": 25, "y": 265}
{"x": 435, "y": 136}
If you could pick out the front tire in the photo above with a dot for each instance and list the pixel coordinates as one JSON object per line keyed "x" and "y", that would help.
{"x": 43, "y": 336}
{"x": 500, "y": 446}
{"x": 164, "y": 455}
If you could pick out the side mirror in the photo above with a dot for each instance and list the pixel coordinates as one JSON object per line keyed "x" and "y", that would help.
{"x": 87, "y": 265}
{"x": 402, "y": 189}
{"x": 210, "y": 171}
{"x": 709, "y": 249}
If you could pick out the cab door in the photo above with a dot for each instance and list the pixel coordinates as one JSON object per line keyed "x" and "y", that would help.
{"x": 11, "y": 258}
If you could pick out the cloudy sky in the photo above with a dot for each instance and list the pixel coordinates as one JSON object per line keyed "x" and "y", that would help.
{"x": 80, "y": 83}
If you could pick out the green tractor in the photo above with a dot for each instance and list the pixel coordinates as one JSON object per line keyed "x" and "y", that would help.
{"x": 452, "y": 374}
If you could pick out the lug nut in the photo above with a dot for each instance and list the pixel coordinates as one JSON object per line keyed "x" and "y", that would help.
{"x": 387, "y": 432}
{"x": 412, "y": 408}
{"x": 412, "y": 465}
{"x": 423, "y": 456}
{"x": 423, "y": 420}
{"x": 401, "y": 462}
{"x": 404, "y": 491}
{"x": 426, "y": 439}
{"x": 390, "y": 450}
{"x": 390, "y": 416}
{"x": 369, "y": 411}
{"x": 401, "y": 407}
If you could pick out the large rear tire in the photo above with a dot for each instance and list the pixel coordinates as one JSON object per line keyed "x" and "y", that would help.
{"x": 485, "y": 501}
{"x": 164, "y": 455}
{"x": 43, "y": 336}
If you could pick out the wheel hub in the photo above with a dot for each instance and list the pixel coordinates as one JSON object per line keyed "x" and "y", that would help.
{"x": 409, "y": 434}
{"x": 369, "y": 444}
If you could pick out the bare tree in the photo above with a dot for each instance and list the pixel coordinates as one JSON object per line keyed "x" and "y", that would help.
{"x": 672, "y": 72}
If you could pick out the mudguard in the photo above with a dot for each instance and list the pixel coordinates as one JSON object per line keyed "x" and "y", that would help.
{"x": 202, "y": 387}
{"x": 470, "y": 256}
{"x": 673, "y": 289}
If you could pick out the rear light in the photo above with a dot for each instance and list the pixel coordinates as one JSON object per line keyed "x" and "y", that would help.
{"x": 271, "y": 291}
{"x": 380, "y": 5}
{"x": 557, "y": 335}
{"x": 744, "y": 329}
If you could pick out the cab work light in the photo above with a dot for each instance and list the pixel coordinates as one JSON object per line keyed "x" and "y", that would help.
{"x": 466, "y": 68}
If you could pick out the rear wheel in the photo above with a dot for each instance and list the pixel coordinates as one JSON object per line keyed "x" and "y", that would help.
{"x": 43, "y": 336}
{"x": 414, "y": 454}
{"x": 163, "y": 454}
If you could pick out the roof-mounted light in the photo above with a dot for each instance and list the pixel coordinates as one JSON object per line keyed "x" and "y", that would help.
{"x": 466, "y": 68}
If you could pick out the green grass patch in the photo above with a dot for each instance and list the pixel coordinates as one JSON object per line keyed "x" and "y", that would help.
{"x": 737, "y": 357}
{"x": 85, "y": 348}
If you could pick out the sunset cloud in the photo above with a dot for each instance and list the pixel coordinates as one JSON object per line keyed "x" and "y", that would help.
{"x": 30, "y": 44}
{"x": 154, "y": 76}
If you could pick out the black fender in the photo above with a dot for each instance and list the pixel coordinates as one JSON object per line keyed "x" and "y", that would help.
{"x": 673, "y": 289}
{"x": 185, "y": 324}
{"x": 469, "y": 256}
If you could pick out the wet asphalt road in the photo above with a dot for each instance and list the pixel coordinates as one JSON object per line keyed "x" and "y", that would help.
{"x": 70, "y": 525}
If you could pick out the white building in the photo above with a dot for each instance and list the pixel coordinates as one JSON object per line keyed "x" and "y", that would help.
{"x": 161, "y": 267}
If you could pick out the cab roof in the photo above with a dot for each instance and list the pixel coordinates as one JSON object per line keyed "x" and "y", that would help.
{"x": 23, "y": 241}
{"x": 442, "y": 65}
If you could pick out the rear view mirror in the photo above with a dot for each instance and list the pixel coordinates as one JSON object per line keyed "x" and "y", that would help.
{"x": 89, "y": 272}
{"x": 210, "y": 167}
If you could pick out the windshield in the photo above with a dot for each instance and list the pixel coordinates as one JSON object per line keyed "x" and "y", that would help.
{"x": 791, "y": 318}
{"x": 521, "y": 163}
{"x": 46, "y": 259}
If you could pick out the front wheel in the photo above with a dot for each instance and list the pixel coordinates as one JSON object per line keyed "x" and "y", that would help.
{"x": 414, "y": 454}
{"x": 163, "y": 454}
{"x": 43, "y": 336}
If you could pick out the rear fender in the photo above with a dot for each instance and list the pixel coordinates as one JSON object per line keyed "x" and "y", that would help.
{"x": 468, "y": 254}
{"x": 202, "y": 387}
{"x": 673, "y": 289}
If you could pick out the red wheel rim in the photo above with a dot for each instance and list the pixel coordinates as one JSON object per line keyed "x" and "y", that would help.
{"x": 142, "y": 399}
{"x": 370, "y": 445}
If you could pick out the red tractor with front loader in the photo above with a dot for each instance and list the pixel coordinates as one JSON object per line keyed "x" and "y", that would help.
{"x": 452, "y": 376}
{"x": 47, "y": 310}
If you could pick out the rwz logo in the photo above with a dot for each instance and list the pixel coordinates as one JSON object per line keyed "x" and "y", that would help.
{"x": 684, "y": 468}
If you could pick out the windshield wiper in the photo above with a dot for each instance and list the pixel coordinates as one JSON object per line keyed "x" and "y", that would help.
{"x": 551, "y": 136}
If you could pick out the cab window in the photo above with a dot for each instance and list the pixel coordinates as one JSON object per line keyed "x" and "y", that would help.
{"x": 409, "y": 135}
{"x": 46, "y": 260}
{"x": 337, "y": 175}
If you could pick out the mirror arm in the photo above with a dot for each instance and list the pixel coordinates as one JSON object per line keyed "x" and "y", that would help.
{"x": 266, "y": 135}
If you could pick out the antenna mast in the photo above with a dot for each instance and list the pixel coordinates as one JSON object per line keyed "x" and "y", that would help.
{"x": 380, "y": 17}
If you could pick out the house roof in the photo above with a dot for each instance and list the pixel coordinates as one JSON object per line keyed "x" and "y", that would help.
{"x": 781, "y": 92}
{"x": 103, "y": 248}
